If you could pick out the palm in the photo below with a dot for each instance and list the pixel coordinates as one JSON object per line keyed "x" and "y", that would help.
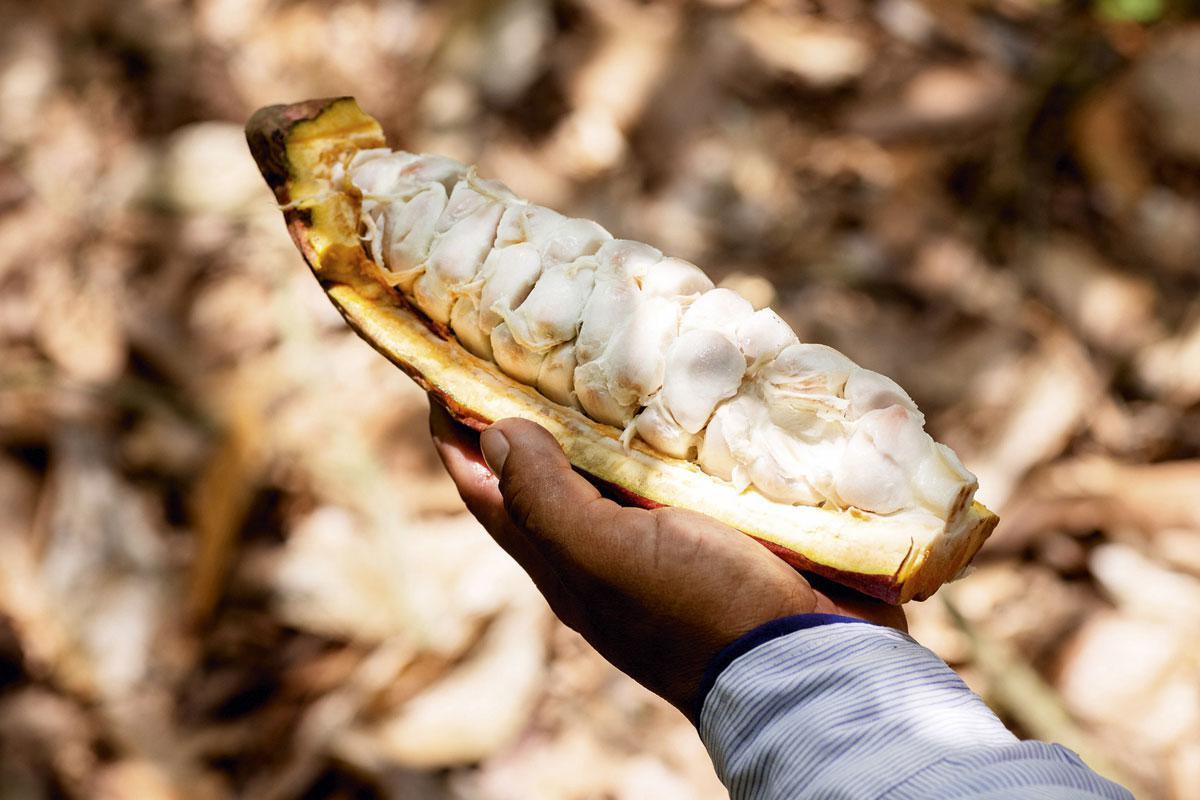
{"x": 658, "y": 593}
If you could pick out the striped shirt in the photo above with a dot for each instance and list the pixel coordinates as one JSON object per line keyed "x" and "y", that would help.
{"x": 823, "y": 706}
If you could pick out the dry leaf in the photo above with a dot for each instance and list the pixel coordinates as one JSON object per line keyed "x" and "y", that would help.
{"x": 817, "y": 52}
{"x": 476, "y": 709}
{"x": 1133, "y": 676}
{"x": 1057, "y": 391}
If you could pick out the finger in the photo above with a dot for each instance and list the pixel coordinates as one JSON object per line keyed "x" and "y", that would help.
{"x": 458, "y": 448}
{"x": 445, "y": 428}
{"x": 564, "y": 514}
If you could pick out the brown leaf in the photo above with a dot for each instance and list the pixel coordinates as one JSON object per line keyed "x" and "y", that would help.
{"x": 219, "y": 504}
{"x": 1057, "y": 391}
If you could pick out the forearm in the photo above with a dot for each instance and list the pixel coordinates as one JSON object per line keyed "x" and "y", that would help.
{"x": 853, "y": 710}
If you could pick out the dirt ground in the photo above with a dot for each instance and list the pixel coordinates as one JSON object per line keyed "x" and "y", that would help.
{"x": 229, "y": 562}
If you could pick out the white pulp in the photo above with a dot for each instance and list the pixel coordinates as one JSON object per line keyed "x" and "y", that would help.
{"x": 646, "y": 343}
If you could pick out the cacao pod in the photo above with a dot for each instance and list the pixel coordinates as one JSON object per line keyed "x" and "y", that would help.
{"x": 661, "y": 388}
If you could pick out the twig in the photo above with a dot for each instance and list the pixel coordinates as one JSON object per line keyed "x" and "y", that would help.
{"x": 1018, "y": 690}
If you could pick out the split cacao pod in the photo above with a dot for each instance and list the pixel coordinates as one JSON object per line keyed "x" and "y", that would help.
{"x": 701, "y": 407}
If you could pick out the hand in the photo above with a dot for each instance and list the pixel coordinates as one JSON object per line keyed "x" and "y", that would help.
{"x": 658, "y": 593}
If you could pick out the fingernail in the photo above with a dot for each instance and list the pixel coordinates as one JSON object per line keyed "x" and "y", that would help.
{"x": 495, "y": 449}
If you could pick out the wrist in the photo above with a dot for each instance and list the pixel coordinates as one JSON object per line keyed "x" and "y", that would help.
{"x": 757, "y": 637}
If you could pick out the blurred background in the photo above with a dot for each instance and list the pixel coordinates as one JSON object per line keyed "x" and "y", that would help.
{"x": 229, "y": 562}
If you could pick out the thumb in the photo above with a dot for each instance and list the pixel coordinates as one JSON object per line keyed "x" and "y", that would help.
{"x": 560, "y": 511}
{"x": 541, "y": 491}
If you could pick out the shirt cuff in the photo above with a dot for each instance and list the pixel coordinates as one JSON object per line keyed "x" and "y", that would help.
{"x": 760, "y": 636}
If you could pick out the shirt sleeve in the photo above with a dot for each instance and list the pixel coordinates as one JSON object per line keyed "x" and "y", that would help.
{"x": 820, "y": 706}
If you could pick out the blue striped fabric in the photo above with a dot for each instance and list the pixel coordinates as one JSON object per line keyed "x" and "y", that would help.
{"x": 862, "y": 711}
